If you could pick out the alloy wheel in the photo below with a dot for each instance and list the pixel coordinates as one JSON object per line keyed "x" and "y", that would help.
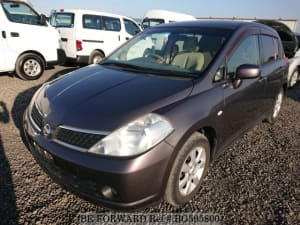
{"x": 192, "y": 170}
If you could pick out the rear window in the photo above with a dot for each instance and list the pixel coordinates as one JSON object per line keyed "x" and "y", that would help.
{"x": 62, "y": 20}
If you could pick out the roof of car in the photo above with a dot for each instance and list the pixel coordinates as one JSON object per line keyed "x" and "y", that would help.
{"x": 225, "y": 24}
{"x": 90, "y": 12}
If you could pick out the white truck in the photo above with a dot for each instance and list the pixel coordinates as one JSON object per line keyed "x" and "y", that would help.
{"x": 158, "y": 16}
{"x": 28, "y": 44}
{"x": 88, "y": 36}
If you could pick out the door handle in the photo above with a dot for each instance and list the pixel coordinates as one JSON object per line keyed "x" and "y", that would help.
{"x": 127, "y": 38}
{"x": 3, "y": 34}
{"x": 14, "y": 34}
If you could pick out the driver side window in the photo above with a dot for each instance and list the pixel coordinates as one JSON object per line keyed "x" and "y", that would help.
{"x": 20, "y": 13}
{"x": 246, "y": 53}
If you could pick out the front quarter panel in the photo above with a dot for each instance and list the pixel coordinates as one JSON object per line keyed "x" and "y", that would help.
{"x": 200, "y": 110}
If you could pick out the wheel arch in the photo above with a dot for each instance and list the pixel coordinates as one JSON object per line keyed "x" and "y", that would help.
{"x": 210, "y": 133}
{"x": 293, "y": 66}
{"x": 36, "y": 53}
{"x": 96, "y": 50}
{"x": 99, "y": 50}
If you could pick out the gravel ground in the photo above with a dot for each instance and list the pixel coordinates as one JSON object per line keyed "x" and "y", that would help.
{"x": 256, "y": 181}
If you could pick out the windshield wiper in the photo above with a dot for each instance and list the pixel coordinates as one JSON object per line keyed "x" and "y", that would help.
{"x": 172, "y": 73}
{"x": 122, "y": 65}
{"x": 150, "y": 71}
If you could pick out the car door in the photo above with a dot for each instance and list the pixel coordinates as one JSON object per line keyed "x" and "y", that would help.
{"x": 243, "y": 106}
{"x": 273, "y": 67}
{"x": 66, "y": 23}
{"x": 111, "y": 34}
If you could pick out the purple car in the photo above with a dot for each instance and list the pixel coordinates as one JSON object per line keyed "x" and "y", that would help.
{"x": 145, "y": 123}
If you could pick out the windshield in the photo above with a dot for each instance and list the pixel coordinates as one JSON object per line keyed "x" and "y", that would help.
{"x": 170, "y": 51}
{"x": 151, "y": 22}
{"x": 62, "y": 20}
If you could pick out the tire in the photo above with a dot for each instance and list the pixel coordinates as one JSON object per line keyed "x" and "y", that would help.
{"x": 276, "y": 107}
{"x": 96, "y": 57}
{"x": 185, "y": 178}
{"x": 30, "y": 66}
{"x": 294, "y": 78}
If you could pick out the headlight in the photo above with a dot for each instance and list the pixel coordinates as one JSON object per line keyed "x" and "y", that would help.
{"x": 134, "y": 138}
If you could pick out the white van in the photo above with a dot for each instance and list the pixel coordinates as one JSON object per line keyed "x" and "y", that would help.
{"x": 88, "y": 36}
{"x": 157, "y": 16}
{"x": 28, "y": 44}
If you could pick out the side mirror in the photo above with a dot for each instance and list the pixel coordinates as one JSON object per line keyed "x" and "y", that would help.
{"x": 245, "y": 71}
{"x": 43, "y": 20}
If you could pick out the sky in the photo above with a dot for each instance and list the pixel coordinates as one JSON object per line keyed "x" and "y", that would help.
{"x": 270, "y": 9}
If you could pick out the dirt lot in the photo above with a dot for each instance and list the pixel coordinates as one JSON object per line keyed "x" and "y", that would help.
{"x": 257, "y": 180}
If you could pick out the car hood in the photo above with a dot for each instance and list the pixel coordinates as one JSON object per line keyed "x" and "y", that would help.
{"x": 99, "y": 98}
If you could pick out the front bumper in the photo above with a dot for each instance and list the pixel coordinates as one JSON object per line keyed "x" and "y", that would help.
{"x": 79, "y": 60}
{"x": 136, "y": 182}
{"x": 82, "y": 59}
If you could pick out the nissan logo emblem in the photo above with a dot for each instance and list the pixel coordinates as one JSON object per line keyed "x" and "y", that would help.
{"x": 47, "y": 130}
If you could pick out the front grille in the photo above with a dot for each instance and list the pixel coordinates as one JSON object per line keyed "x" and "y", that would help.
{"x": 74, "y": 138}
{"x": 37, "y": 117}
{"x": 77, "y": 138}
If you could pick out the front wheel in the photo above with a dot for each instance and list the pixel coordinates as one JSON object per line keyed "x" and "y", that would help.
{"x": 30, "y": 66}
{"x": 188, "y": 170}
{"x": 277, "y": 107}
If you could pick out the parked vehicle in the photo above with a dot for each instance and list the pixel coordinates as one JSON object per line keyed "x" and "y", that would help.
{"x": 157, "y": 16}
{"x": 143, "y": 125}
{"x": 290, "y": 23}
{"x": 285, "y": 28}
{"x": 89, "y": 36}
{"x": 294, "y": 69}
{"x": 290, "y": 46}
{"x": 28, "y": 44}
